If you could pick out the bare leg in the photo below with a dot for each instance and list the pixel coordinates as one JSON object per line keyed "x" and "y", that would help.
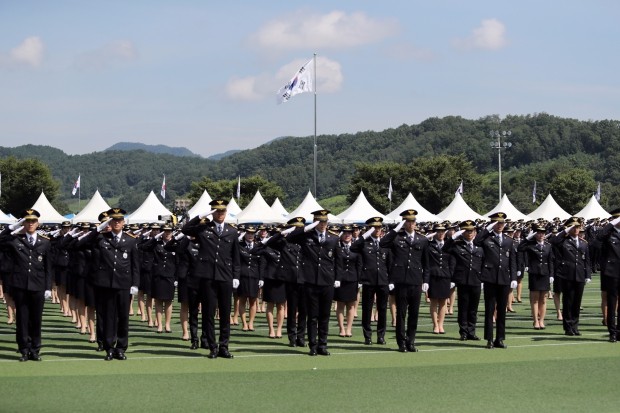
{"x": 340, "y": 317}
{"x": 542, "y": 308}
{"x": 168, "y": 315}
{"x": 272, "y": 333}
{"x": 351, "y": 308}
{"x": 184, "y": 317}
{"x": 604, "y": 306}
{"x": 557, "y": 300}
{"x": 451, "y": 300}
{"x": 392, "y": 301}
{"x": 441, "y": 313}
{"x": 159, "y": 310}
{"x": 244, "y": 320}
{"x": 149, "y": 312}
{"x": 141, "y": 306}
{"x": 90, "y": 311}
{"x": 433, "y": 311}
{"x": 253, "y": 308}
{"x": 10, "y": 309}
{"x": 280, "y": 314}
{"x": 519, "y": 289}
{"x": 534, "y": 304}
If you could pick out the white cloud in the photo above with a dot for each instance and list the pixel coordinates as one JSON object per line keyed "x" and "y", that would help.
{"x": 490, "y": 35}
{"x": 29, "y": 52}
{"x": 333, "y": 30}
{"x": 111, "y": 53}
{"x": 329, "y": 79}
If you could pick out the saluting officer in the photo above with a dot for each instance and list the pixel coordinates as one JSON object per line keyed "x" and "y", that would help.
{"x": 30, "y": 281}
{"x": 408, "y": 276}
{"x": 609, "y": 237}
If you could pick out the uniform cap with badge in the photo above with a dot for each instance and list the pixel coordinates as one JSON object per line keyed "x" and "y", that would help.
{"x": 321, "y": 215}
{"x": 409, "y": 215}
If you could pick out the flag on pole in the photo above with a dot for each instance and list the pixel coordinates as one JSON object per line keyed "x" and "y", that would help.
{"x": 300, "y": 83}
{"x": 534, "y": 193}
{"x": 459, "y": 190}
{"x": 163, "y": 188}
{"x": 390, "y": 190}
{"x": 598, "y": 193}
{"x": 76, "y": 186}
{"x": 239, "y": 188}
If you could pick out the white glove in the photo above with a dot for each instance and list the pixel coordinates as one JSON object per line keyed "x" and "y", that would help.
{"x": 390, "y": 287}
{"x": 47, "y": 294}
{"x": 178, "y": 237}
{"x": 452, "y": 285}
{"x": 336, "y": 284}
{"x": 430, "y": 236}
{"x": 518, "y": 273}
{"x": 359, "y": 286}
{"x": 588, "y": 280}
{"x": 103, "y": 225}
{"x": 482, "y": 286}
{"x": 241, "y": 235}
{"x": 80, "y": 236}
{"x": 264, "y": 240}
{"x": 368, "y": 233}
{"x": 530, "y": 235}
{"x": 287, "y": 231}
{"x": 176, "y": 283}
{"x": 206, "y": 214}
{"x": 513, "y": 284}
{"x": 399, "y": 226}
{"x": 146, "y": 234}
{"x": 567, "y": 230}
{"x": 526, "y": 269}
{"x": 491, "y": 226}
{"x": 458, "y": 234}
{"x": 235, "y": 283}
{"x": 261, "y": 283}
{"x": 551, "y": 280}
{"x": 311, "y": 226}
{"x": 615, "y": 221}
{"x": 19, "y": 230}
{"x": 133, "y": 290}
{"x": 424, "y": 287}
{"x": 159, "y": 235}
{"x": 54, "y": 233}
{"x": 18, "y": 224}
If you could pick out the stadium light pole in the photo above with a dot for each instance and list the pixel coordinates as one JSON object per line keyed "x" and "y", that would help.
{"x": 497, "y": 144}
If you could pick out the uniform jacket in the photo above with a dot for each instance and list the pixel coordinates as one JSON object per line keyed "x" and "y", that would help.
{"x": 351, "y": 264}
{"x": 250, "y": 261}
{"x": 572, "y": 261}
{"x": 320, "y": 260}
{"x": 539, "y": 260}
{"x": 376, "y": 261}
{"x": 500, "y": 260}
{"x": 165, "y": 260}
{"x": 32, "y": 264}
{"x": 440, "y": 263}
{"x": 467, "y": 263}
{"x": 289, "y": 267}
{"x": 409, "y": 259}
{"x": 610, "y": 251}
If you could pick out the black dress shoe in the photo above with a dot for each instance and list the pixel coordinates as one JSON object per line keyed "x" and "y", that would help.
{"x": 300, "y": 342}
{"x": 576, "y": 332}
{"x": 402, "y": 349}
{"x": 224, "y": 353}
{"x": 109, "y": 356}
{"x": 194, "y": 345}
{"x": 411, "y": 348}
{"x": 473, "y": 337}
{"x": 569, "y": 333}
{"x": 291, "y": 343}
{"x": 23, "y": 357}
{"x": 612, "y": 338}
{"x": 120, "y": 355}
{"x": 100, "y": 347}
{"x": 34, "y": 356}
{"x": 323, "y": 352}
{"x": 489, "y": 344}
{"x": 212, "y": 354}
{"x": 368, "y": 342}
{"x": 381, "y": 341}
{"x": 499, "y": 344}
{"x": 463, "y": 337}
{"x": 312, "y": 352}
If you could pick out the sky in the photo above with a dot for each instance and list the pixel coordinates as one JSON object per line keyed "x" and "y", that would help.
{"x": 83, "y": 75}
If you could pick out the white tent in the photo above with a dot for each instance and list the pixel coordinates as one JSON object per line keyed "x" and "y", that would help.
{"x": 232, "y": 211}
{"x": 358, "y": 212}
{"x": 149, "y": 211}
{"x": 258, "y": 212}
{"x": 506, "y": 207}
{"x": 202, "y": 205}
{"x": 48, "y": 214}
{"x": 410, "y": 203}
{"x": 94, "y": 207}
{"x": 306, "y": 208}
{"x": 5, "y": 219}
{"x": 592, "y": 210}
{"x": 458, "y": 210}
{"x": 279, "y": 209}
{"x": 549, "y": 210}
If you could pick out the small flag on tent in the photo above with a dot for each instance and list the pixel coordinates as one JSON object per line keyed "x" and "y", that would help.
{"x": 390, "y": 190}
{"x": 239, "y": 188}
{"x": 300, "y": 83}
{"x": 598, "y": 193}
{"x": 459, "y": 190}
{"x": 76, "y": 186}
{"x": 163, "y": 188}
{"x": 534, "y": 193}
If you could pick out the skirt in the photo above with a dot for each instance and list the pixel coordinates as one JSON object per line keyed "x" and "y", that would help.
{"x": 347, "y": 292}
{"x": 182, "y": 296}
{"x": 79, "y": 288}
{"x": 89, "y": 295}
{"x": 145, "y": 282}
{"x": 162, "y": 288}
{"x": 557, "y": 285}
{"x": 537, "y": 282}
{"x": 274, "y": 291}
{"x": 605, "y": 283}
{"x": 439, "y": 288}
{"x": 61, "y": 276}
{"x": 248, "y": 287}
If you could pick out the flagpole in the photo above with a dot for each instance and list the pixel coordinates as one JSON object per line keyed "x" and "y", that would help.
{"x": 79, "y": 191}
{"x": 315, "y": 157}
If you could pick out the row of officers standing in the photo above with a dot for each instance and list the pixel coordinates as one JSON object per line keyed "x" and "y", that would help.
{"x": 307, "y": 267}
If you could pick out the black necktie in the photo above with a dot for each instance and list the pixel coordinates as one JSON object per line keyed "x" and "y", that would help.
{"x": 31, "y": 241}
{"x": 219, "y": 229}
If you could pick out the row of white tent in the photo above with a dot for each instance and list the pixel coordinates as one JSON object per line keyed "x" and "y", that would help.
{"x": 258, "y": 211}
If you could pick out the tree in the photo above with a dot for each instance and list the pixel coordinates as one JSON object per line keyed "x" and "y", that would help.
{"x": 22, "y": 183}
{"x": 227, "y": 189}
{"x": 572, "y": 189}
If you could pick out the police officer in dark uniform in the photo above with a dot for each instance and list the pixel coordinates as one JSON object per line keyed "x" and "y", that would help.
{"x": 217, "y": 266}
{"x": 346, "y": 295}
{"x": 115, "y": 276}
{"x": 374, "y": 278}
{"x": 320, "y": 251}
{"x": 408, "y": 276}
{"x": 30, "y": 281}
{"x": 609, "y": 237}
{"x": 499, "y": 275}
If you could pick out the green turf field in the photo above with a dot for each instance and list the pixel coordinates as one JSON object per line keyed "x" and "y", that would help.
{"x": 540, "y": 371}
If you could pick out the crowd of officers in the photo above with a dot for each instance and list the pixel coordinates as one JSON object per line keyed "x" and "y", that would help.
{"x": 216, "y": 269}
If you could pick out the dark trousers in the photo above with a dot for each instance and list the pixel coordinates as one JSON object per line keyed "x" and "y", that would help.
{"x": 29, "y": 312}
{"x": 296, "y": 312}
{"x": 468, "y": 300}
{"x": 572, "y": 292}
{"x": 112, "y": 305}
{"x": 368, "y": 295}
{"x": 407, "y": 310}
{"x": 495, "y": 298}
{"x": 215, "y": 294}
{"x": 613, "y": 310}
{"x": 193, "y": 303}
{"x": 318, "y": 304}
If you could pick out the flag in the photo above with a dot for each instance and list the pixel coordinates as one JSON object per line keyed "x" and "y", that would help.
{"x": 300, "y": 83}
{"x": 390, "y": 190}
{"x": 598, "y": 193}
{"x": 239, "y": 188}
{"x": 163, "y": 188}
{"x": 459, "y": 190}
{"x": 76, "y": 186}
{"x": 534, "y": 193}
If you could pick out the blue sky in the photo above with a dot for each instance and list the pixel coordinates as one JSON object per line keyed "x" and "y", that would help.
{"x": 81, "y": 76}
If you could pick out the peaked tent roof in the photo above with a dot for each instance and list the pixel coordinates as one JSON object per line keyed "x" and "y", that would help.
{"x": 94, "y": 207}
{"x": 279, "y": 209}
{"x": 548, "y": 210}
{"x": 511, "y": 212}
{"x": 306, "y": 208}
{"x": 410, "y": 203}
{"x": 458, "y": 210}
{"x": 202, "y": 205}
{"x": 48, "y": 214}
{"x": 232, "y": 211}
{"x": 592, "y": 210}
{"x": 5, "y": 219}
{"x": 149, "y": 211}
{"x": 258, "y": 212}
{"x": 359, "y": 211}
